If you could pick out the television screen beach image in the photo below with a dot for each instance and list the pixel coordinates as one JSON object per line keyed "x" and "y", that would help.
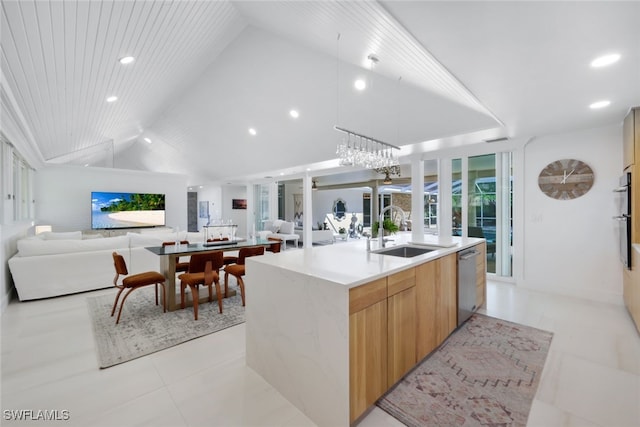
{"x": 126, "y": 210}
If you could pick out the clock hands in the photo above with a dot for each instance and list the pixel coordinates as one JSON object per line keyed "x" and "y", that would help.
{"x": 567, "y": 175}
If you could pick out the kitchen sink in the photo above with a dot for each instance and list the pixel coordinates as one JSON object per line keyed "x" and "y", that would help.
{"x": 404, "y": 251}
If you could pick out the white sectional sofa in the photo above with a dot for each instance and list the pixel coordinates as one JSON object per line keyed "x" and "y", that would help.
{"x": 280, "y": 229}
{"x": 54, "y": 264}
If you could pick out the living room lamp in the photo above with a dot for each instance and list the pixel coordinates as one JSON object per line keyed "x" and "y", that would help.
{"x": 42, "y": 228}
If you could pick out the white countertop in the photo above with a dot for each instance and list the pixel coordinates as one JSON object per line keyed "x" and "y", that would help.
{"x": 351, "y": 265}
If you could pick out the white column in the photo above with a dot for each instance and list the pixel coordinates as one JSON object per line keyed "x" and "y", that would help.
{"x": 464, "y": 199}
{"x": 417, "y": 199}
{"x": 307, "y": 209}
{"x": 445, "y": 223}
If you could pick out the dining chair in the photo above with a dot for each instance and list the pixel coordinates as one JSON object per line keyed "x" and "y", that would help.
{"x": 180, "y": 266}
{"x": 237, "y": 270}
{"x": 133, "y": 282}
{"x": 203, "y": 270}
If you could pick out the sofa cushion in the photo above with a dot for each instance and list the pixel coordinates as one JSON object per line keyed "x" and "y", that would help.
{"x": 286, "y": 228}
{"x": 137, "y": 240}
{"x": 35, "y": 247}
{"x": 88, "y": 236}
{"x": 69, "y": 235}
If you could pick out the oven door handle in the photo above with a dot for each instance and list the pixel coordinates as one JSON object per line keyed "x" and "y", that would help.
{"x": 622, "y": 217}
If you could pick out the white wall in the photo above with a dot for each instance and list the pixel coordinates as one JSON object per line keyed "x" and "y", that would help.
{"x": 570, "y": 246}
{"x": 238, "y": 216}
{"x": 63, "y": 193}
{"x": 213, "y": 196}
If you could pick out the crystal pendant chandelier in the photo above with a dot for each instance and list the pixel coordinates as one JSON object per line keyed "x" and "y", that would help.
{"x": 366, "y": 152}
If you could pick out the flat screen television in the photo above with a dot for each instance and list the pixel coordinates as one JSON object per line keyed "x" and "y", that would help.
{"x": 126, "y": 210}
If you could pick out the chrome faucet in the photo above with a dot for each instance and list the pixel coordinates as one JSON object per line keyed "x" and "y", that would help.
{"x": 381, "y": 228}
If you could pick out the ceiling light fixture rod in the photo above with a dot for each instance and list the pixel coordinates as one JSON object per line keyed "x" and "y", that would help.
{"x": 351, "y": 133}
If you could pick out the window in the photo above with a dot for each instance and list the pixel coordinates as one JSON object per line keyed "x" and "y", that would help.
{"x": 17, "y": 177}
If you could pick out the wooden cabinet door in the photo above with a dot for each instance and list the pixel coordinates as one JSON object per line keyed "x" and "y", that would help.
{"x": 436, "y": 303}
{"x": 367, "y": 346}
{"x": 425, "y": 309}
{"x": 446, "y": 296}
{"x": 481, "y": 274}
{"x": 401, "y": 334}
{"x": 631, "y": 288}
{"x": 401, "y": 330}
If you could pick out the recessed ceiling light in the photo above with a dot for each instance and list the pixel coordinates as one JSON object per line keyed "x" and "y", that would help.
{"x": 252, "y": 131}
{"x": 603, "y": 61}
{"x": 126, "y": 60}
{"x": 360, "y": 84}
{"x": 112, "y": 99}
{"x": 148, "y": 140}
{"x": 599, "y": 104}
{"x": 281, "y": 173}
{"x": 294, "y": 114}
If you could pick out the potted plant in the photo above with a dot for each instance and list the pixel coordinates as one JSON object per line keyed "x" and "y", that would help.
{"x": 342, "y": 230}
{"x": 388, "y": 226}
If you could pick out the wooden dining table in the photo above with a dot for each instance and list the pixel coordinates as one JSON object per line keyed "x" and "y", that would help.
{"x": 169, "y": 256}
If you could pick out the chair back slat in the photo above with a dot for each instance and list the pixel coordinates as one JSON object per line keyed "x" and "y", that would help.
{"x": 208, "y": 274}
{"x": 249, "y": 252}
{"x": 119, "y": 264}
{"x": 198, "y": 262}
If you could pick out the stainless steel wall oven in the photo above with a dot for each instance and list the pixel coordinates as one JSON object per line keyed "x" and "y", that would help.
{"x": 624, "y": 218}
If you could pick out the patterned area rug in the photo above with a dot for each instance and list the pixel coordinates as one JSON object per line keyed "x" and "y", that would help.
{"x": 485, "y": 374}
{"x": 145, "y": 329}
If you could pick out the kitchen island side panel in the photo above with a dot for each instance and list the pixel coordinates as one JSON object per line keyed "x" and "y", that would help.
{"x": 297, "y": 334}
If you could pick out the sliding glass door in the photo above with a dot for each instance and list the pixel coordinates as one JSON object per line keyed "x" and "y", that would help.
{"x": 486, "y": 208}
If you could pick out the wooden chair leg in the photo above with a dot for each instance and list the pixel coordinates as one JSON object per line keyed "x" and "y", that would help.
{"x": 156, "y": 286}
{"x": 115, "y": 302}
{"x": 210, "y": 292}
{"x": 196, "y": 298}
{"x": 164, "y": 298}
{"x": 219, "y": 295}
{"x": 182, "y": 289}
{"x": 241, "y": 284}
{"x": 122, "y": 303}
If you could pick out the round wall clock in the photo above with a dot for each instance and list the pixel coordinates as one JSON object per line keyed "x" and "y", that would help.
{"x": 565, "y": 179}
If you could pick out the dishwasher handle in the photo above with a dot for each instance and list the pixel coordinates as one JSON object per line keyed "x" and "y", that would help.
{"x": 468, "y": 255}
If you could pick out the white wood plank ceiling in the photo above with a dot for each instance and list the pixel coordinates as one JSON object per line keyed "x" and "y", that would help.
{"x": 207, "y": 70}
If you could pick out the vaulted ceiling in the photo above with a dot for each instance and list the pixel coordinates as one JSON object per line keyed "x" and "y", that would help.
{"x": 207, "y": 71}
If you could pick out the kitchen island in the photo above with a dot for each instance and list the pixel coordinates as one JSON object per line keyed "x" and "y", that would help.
{"x": 334, "y": 327}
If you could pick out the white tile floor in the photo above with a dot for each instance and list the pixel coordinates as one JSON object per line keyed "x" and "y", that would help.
{"x": 591, "y": 378}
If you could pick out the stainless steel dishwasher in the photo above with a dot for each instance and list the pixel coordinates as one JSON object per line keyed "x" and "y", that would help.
{"x": 466, "y": 284}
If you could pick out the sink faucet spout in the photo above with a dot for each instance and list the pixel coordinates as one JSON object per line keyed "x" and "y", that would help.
{"x": 381, "y": 221}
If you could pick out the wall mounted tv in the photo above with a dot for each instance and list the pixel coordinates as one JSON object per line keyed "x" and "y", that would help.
{"x": 126, "y": 210}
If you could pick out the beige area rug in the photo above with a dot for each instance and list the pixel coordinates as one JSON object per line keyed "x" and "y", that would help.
{"x": 485, "y": 374}
{"x": 145, "y": 329}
